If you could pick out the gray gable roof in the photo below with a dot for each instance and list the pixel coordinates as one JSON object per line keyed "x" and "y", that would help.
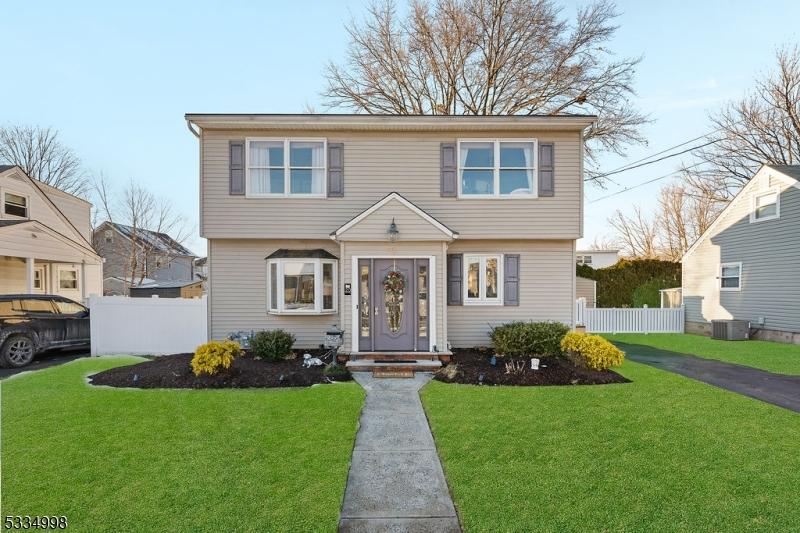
{"x": 160, "y": 242}
{"x": 793, "y": 171}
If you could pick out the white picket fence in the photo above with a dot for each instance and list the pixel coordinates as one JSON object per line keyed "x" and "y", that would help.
{"x": 146, "y": 326}
{"x": 625, "y": 320}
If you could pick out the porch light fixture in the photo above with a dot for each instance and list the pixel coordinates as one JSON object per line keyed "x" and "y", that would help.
{"x": 392, "y": 233}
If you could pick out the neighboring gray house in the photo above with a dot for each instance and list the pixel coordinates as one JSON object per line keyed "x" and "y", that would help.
{"x": 411, "y": 233}
{"x": 159, "y": 257}
{"x": 746, "y": 265}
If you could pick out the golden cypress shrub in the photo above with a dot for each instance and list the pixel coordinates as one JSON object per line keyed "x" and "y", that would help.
{"x": 591, "y": 351}
{"x": 213, "y": 356}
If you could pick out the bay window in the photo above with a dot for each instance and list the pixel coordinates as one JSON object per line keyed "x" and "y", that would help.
{"x": 285, "y": 167}
{"x": 483, "y": 276}
{"x": 301, "y": 286}
{"x": 497, "y": 168}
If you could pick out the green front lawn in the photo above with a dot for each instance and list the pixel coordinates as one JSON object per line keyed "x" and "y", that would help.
{"x": 663, "y": 453}
{"x": 177, "y": 460}
{"x": 766, "y": 355}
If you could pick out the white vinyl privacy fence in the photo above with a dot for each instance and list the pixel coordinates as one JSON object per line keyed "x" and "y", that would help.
{"x": 629, "y": 320}
{"x": 146, "y": 326}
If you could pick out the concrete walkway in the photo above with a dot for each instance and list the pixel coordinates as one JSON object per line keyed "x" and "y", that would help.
{"x": 777, "y": 389}
{"x": 396, "y": 482}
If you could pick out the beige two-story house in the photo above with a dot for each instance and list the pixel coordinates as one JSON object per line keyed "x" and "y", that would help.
{"x": 411, "y": 233}
{"x": 45, "y": 236}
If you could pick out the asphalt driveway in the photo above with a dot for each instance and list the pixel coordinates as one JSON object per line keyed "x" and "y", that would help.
{"x": 45, "y": 360}
{"x": 777, "y": 389}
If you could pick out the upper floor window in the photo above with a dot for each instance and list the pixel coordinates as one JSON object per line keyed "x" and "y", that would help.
{"x": 285, "y": 167}
{"x": 15, "y": 205}
{"x": 497, "y": 168}
{"x": 484, "y": 279}
{"x": 584, "y": 259}
{"x": 730, "y": 277}
{"x": 766, "y": 206}
{"x": 301, "y": 286}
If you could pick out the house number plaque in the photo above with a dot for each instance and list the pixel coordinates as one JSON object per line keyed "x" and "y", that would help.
{"x": 347, "y": 289}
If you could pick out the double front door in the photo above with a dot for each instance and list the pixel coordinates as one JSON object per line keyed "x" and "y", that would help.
{"x": 393, "y": 305}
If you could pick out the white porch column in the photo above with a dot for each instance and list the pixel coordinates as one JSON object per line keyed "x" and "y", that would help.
{"x": 29, "y": 275}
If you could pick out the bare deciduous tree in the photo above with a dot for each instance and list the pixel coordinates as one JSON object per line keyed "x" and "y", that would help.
{"x": 764, "y": 127}
{"x": 682, "y": 217}
{"x": 490, "y": 57}
{"x": 637, "y": 234}
{"x": 40, "y": 153}
{"x": 139, "y": 209}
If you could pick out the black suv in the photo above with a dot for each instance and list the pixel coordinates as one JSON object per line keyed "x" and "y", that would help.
{"x": 33, "y": 323}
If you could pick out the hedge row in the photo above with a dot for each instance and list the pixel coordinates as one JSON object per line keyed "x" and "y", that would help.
{"x": 632, "y": 282}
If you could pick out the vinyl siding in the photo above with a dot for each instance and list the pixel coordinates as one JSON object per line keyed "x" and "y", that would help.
{"x": 76, "y": 210}
{"x": 769, "y": 252}
{"x": 412, "y": 226}
{"x": 25, "y": 240}
{"x": 586, "y": 288}
{"x": 238, "y": 290}
{"x": 547, "y": 290}
{"x": 39, "y": 209}
{"x": 376, "y": 164}
{"x": 13, "y": 278}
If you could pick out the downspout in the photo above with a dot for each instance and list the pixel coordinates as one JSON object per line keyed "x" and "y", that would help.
{"x": 83, "y": 280}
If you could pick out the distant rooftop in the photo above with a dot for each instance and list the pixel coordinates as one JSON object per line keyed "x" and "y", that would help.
{"x": 160, "y": 242}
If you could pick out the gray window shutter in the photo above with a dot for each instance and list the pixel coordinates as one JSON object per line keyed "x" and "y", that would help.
{"x": 546, "y": 169}
{"x": 455, "y": 292}
{"x": 511, "y": 279}
{"x": 449, "y": 185}
{"x": 335, "y": 170}
{"x": 236, "y": 149}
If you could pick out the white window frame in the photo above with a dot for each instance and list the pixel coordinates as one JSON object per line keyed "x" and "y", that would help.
{"x": 753, "y": 216}
{"x": 61, "y": 269}
{"x": 286, "y": 168}
{"x": 3, "y": 214}
{"x": 496, "y": 169}
{"x": 318, "y": 286}
{"x": 482, "y": 259}
{"x": 728, "y": 265}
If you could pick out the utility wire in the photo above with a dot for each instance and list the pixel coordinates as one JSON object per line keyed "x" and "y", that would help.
{"x": 653, "y": 180}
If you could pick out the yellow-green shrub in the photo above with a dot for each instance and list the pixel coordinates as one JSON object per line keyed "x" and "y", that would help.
{"x": 591, "y": 351}
{"x": 213, "y": 356}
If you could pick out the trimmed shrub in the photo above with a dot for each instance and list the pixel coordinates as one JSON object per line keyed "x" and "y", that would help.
{"x": 617, "y": 283}
{"x": 272, "y": 345}
{"x": 591, "y": 351}
{"x": 523, "y": 339}
{"x": 334, "y": 370}
{"x": 211, "y": 357}
{"x": 648, "y": 293}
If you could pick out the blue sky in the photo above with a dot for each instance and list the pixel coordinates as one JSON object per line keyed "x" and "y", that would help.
{"x": 116, "y": 81}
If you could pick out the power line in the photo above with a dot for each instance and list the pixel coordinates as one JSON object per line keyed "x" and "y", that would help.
{"x": 625, "y": 167}
{"x": 653, "y": 180}
{"x": 659, "y": 159}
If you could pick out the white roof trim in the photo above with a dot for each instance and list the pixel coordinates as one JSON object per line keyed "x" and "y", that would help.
{"x": 386, "y": 199}
{"x": 765, "y": 169}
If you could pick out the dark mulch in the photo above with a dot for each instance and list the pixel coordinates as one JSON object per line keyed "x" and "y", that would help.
{"x": 470, "y": 364}
{"x": 174, "y": 372}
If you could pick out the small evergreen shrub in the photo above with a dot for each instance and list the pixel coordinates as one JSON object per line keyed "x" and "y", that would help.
{"x": 273, "y": 345}
{"x": 334, "y": 370}
{"x": 526, "y": 339}
{"x": 591, "y": 351}
{"x": 211, "y": 357}
{"x": 649, "y": 292}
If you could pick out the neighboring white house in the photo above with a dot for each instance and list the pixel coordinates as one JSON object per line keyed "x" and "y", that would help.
{"x": 745, "y": 265}
{"x": 597, "y": 258}
{"x": 45, "y": 240}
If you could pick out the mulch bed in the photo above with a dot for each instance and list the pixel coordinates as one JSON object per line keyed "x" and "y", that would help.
{"x": 470, "y": 364}
{"x": 174, "y": 372}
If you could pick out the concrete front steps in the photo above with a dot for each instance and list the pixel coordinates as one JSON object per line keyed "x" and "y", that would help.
{"x": 394, "y": 364}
